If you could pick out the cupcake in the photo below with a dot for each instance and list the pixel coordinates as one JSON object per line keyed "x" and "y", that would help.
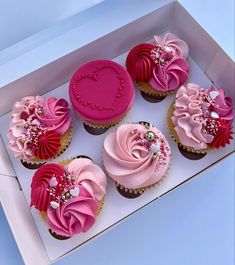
{"x": 200, "y": 120}
{"x": 40, "y": 129}
{"x": 69, "y": 196}
{"x": 101, "y": 93}
{"x": 159, "y": 68}
{"x": 136, "y": 156}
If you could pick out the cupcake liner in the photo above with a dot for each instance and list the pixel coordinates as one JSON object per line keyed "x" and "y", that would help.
{"x": 104, "y": 125}
{"x": 175, "y": 137}
{"x": 146, "y": 88}
{"x": 143, "y": 189}
{"x": 64, "y": 141}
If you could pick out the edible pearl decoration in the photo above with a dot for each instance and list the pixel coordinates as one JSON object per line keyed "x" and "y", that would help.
{"x": 155, "y": 148}
{"x": 150, "y": 135}
{"x": 54, "y": 205}
{"x": 213, "y": 94}
{"x": 214, "y": 115}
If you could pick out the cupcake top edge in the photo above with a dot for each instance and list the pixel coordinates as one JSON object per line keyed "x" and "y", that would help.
{"x": 53, "y": 182}
{"x": 72, "y": 192}
{"x": 101, "y": 91}
{"x": 136, "y": 155}
{"x": 37, "y": 125}
{"x": 163, "y": 64}
{"x": 202, "y": 117}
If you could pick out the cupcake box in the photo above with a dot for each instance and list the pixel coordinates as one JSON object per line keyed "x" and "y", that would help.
{"x": 48, "y": 75}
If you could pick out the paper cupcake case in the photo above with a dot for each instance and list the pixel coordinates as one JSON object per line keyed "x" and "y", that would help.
{"x": 87, "y": 144}
{"x": 146, "y": 88}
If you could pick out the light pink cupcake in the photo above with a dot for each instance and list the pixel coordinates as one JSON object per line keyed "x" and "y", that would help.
{"x": 136, "y": 156}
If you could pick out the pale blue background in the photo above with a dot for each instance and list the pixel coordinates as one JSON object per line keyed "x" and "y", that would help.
{"x": 192, "y": 225}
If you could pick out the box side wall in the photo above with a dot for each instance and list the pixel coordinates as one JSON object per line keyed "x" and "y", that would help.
{"x": 215, "y": 63}
{"x": 21, "y": 222}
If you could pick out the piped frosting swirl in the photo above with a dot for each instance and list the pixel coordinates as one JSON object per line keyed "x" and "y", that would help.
{"x": 199, "y": 116}
{"x": 136, "y": 156}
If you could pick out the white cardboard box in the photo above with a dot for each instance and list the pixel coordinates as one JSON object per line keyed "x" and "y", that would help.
{"x": 47, "y": 66}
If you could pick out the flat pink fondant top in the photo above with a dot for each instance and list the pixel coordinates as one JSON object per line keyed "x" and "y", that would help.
{"x": 101, "y": 91}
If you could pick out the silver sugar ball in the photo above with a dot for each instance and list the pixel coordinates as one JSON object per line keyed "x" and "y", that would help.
{"x": 150, "y": 136}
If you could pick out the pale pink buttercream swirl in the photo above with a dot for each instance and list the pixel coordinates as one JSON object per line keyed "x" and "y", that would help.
{"x": 56, "y": 115}
{"x": 17, "y": 132}
{"x": 171, "y": 75}
{"x": 129, "y": 162}
{"x": 76, "y": 215}
{"x": 89, "y": 175}
{"x": 172, "y": 43}
{"x": 188, "y": 109}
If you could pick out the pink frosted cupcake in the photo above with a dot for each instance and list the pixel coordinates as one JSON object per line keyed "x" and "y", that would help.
{"x": 136, "y": 156}
{"x": 159, "y": 68}
{"x": 101, "y": 93}
{"x": 40, "y": 129}
{"x": 200, "y": 120}
{"x": 69, "y": 196}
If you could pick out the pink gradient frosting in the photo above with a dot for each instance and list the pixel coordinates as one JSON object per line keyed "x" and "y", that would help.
{"x": 173, "y": 43}
{"x": 76, "y": 215}
{"x": 101, "y": 91}
{"x": 57, "y": 115}
{"x": 170, "y": 76}
{"x": 17, "y": 132}
{"x": 89, "y": 175}
{"x": 40, "y": 197}
{"x": 129, "y": 158}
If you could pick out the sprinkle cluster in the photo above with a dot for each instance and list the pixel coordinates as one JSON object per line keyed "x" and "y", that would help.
{"x": 210, "y": 119}
{"x": 153, "y": 143}
{"x": 62, "y": 188}
{"x": 161, "y": 55}
{"x": 34, "y": 129}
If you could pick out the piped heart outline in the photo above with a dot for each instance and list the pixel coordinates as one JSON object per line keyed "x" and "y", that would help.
{"x": 94, "y": 76}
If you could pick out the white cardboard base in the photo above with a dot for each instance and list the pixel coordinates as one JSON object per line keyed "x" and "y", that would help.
{"x": 83, "y": 143}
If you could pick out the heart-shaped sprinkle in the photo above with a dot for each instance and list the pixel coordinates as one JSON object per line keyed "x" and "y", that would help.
{"x": 214, "y": 115}
{"x": 35, "y": 122}
{"x": 53, "y": 182}
{"x": 155, "y": 148}
{"x": 54, "y": 205}
{"x": 213, "y": 94}
{"x": 74, "y": 192}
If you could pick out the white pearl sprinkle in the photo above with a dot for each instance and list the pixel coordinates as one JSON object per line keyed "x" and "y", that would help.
{"x": 214, "y": 115}
{"x": 54, "y": 205}
{"x": 213, "y": 94}
{"x": 155, "y": 148}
